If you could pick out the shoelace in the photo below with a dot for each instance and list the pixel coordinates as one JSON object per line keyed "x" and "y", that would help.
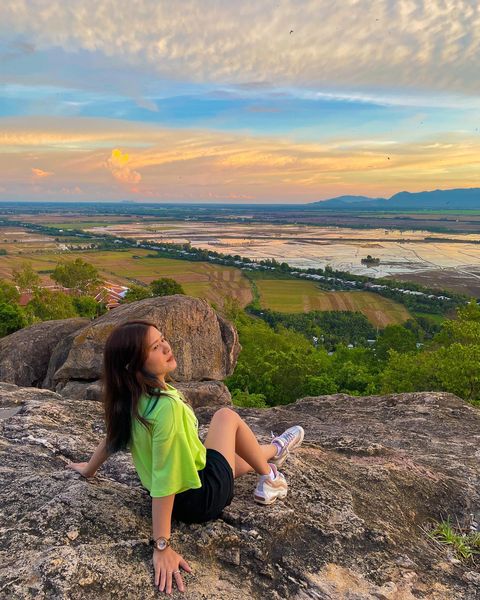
{"x": 287, "y": 436}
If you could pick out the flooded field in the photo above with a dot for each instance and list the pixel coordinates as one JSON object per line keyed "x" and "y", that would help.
{"x": 400, "y": 252}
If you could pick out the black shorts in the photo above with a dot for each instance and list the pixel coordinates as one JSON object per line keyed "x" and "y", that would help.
{"x": 206, "y": 503}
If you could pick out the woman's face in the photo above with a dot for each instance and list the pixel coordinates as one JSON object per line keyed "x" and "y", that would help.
{"x": 160, "y": 359}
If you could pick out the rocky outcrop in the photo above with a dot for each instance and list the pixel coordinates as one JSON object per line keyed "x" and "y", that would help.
{"x": 205, "y": 345}
{"x": 198, "y": 393}
{"x": 371, "y": 475}
{"x": 25, "y": 354}
{"x": 205, "y": 393}
{"x": 66, "y": 356}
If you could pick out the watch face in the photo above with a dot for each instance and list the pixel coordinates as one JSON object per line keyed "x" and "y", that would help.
{"x": 162, "y": 544}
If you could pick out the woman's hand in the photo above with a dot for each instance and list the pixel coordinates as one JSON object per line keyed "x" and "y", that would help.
{"x": 81, "y": 468}
{"x": 166, "y": 564}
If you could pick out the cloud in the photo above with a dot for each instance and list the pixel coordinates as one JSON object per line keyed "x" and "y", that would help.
{"x": 399, "y": 44}
{"x": 75, "y": 191}
{"x": 161, "y": 164}
{"x": 118, "y": 165}
{"x": 41, "y": 174}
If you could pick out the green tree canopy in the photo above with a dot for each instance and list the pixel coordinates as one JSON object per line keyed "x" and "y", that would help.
{"x": 470, "y": 312}
{"x": 8, "y": 292}
{"x": 462, "y": 332}
{"x": 166, "y": 286}
{"x": 395, "y": 337}
{"x": 88, "y": 307}
{"x": 137, "y": 292}
{"x": 25, "y": 277}
{"x": 12, "y": 318}
{"x": 77, "y": 274}
{"x": 274, "y": 363}
{"x": 452, "y": 369}
{"x": 47, "y": 306}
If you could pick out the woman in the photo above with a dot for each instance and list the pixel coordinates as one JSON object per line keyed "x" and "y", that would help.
{"x": 187, "y": 480}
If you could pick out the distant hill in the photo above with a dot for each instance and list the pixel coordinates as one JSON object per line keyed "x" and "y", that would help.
{"x": 349, "y": 199}
{"x": 459, "y": 199}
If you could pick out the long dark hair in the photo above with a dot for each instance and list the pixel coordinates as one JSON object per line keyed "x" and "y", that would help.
{"x": 125, "y": 380}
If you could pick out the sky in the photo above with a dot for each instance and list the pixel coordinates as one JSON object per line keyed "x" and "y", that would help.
{"x": 278, "y": 101}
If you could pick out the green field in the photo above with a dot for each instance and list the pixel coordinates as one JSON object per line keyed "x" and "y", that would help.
{"x": 215, "y": 282}
{"x": 199, "y": 279}
{"x": 304, "y": 296}
{"x": 80, "y": 224}
{"x": 439, "y": 319}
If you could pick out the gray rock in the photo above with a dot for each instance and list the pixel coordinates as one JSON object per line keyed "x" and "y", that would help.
{"x": 205, "y": 393}
{"x": 80, "y": 390}
{"x": 25, "y": 354}
{"x": 209, "y": 344}
{"x": 352, "y": 526}
{"x": 198, "y": 393}
{"x": 57, "y": 358}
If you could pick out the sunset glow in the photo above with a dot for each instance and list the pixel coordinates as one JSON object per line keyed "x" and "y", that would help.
{"x": 253, "y": 102}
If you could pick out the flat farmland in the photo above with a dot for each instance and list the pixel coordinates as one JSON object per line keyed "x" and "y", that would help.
{"x": 304, "y": 296}
{"x": 199, "y": 279}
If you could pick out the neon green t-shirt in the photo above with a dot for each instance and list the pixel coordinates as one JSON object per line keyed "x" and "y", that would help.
{"x": 168, "y": 456}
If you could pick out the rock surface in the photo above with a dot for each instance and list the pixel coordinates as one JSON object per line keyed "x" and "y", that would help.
{"x": 66, "y": 356}
{"x": 209, "y": 344}
{"x": 198, "y": 393}
{"x": 25, "y": 354}
{"x": 370, "y": 476}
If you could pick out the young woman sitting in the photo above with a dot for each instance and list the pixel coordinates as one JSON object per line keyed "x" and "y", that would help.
{"x": 187, "y": 480}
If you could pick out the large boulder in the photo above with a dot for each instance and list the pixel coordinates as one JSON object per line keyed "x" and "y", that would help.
{"x": 205, "y": 345}
{"x": 198, "y": 393}
{"x": 25, "y": 354}
{"x": 371, "y": 475}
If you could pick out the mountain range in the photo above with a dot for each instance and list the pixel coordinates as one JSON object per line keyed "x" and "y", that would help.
{"x": 458, "y": 199}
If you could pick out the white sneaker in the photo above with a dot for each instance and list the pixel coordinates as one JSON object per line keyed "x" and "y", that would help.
{"x": 288, "y": 440}
{"x": 269, "y": 489}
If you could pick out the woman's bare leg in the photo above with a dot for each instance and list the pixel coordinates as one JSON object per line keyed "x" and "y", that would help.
{"x": 231, "y": 436}
{"x": 242, "y": 467}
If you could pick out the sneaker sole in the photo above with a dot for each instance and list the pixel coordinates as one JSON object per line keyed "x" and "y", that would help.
{"x": 260, "y": 500}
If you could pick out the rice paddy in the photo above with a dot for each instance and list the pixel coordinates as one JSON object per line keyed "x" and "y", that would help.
{"x": 304, "y": 296}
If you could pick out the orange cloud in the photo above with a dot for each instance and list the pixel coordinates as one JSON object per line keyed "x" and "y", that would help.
{"x": 118, "y": 165}
{"x": 40, "y": 173}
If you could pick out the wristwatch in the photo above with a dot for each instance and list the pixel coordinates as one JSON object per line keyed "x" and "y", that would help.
{"x": 160, "y": 543}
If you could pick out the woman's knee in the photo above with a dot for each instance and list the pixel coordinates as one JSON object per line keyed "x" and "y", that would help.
{"x": 226, "y": 414}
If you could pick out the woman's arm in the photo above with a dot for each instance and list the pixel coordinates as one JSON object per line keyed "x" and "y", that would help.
{"x": 162, "y": 516}
{"x": 97, "y": 459}
{"x": 166, "y": 563}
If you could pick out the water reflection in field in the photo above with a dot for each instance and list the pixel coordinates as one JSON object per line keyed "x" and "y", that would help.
{"x": 306, "y": 246}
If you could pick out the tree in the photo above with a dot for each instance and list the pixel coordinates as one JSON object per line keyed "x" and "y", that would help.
{"x": 26, "y": 278}
{"x": 77, "y": 275}
{"x": 166, "y": 287}
{"x": 461, "y": 332}
{"x": 88, "y": 307}
{"x": 136, "y": 292}
{"x": 47, "y": 306}
{"x": 8, "y": 292}
{"x": 452, "y": 369}
{"x": 355, "y": 379}
{"x": 470, "y": 312}
{"x": 320, "y": 385}
{"x": 395, "y": 337}
{"x": 248, "y": 400}
{"x": 232, "y": 308}
{"x": 274, "y": 363}
{"x": 12, "y": 318}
